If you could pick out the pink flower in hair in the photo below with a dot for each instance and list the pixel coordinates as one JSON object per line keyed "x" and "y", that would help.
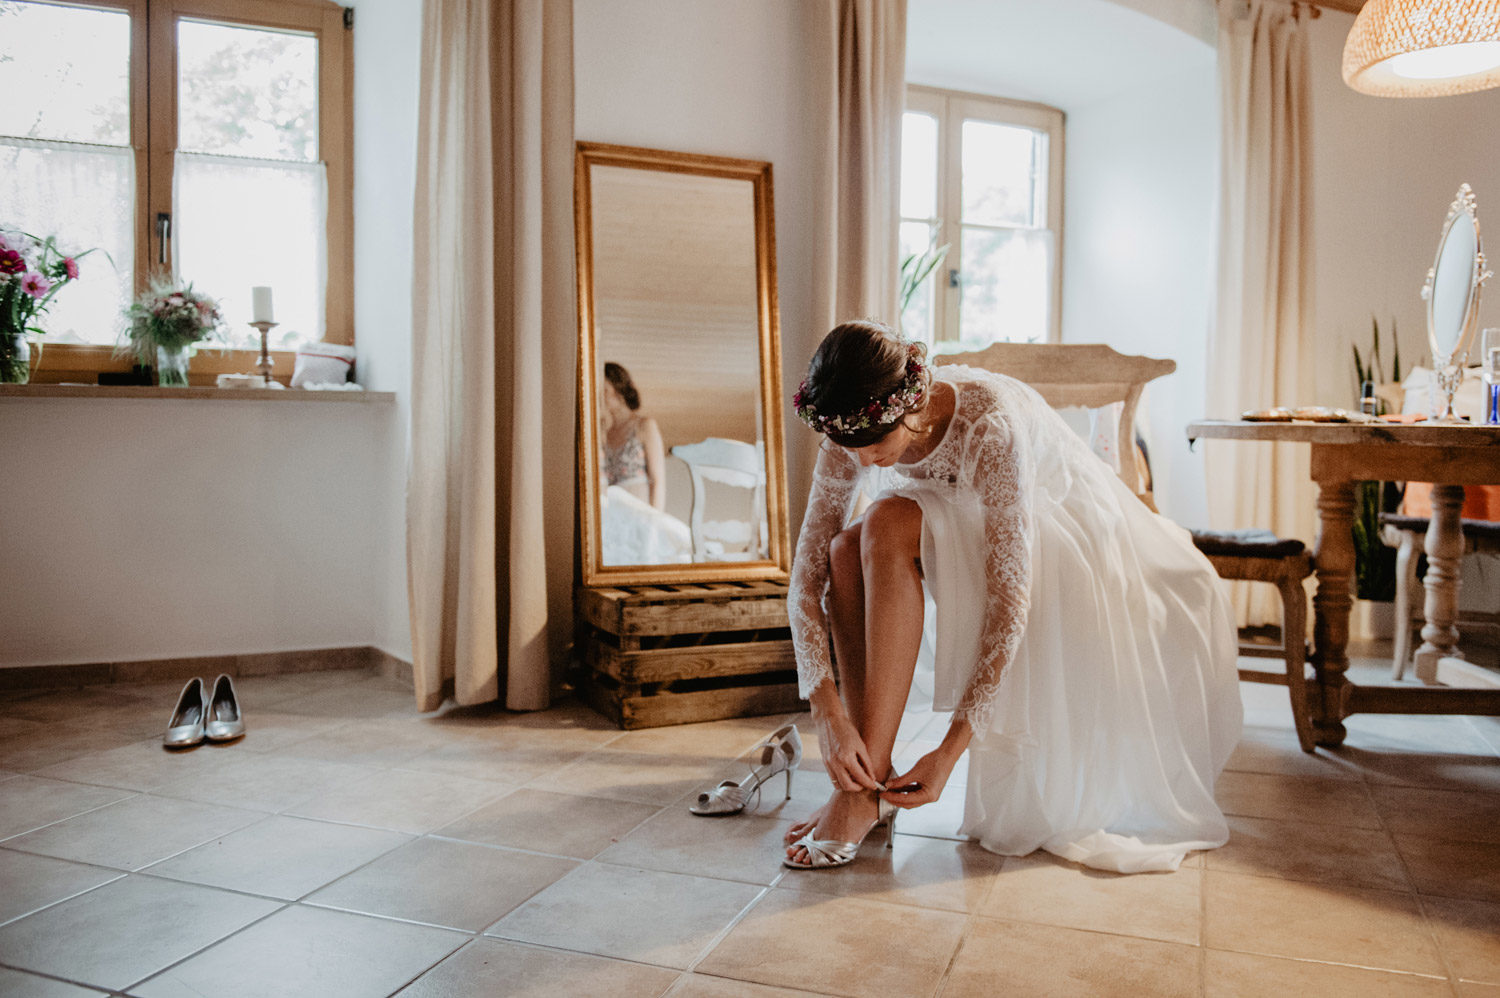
{"x": 70, "y": 267}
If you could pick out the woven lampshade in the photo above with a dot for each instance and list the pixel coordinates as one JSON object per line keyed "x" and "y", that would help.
{"x": 1424, "y": 48}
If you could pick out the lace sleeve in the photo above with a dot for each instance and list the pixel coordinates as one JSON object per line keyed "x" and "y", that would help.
{"x": 836, "y": 481}
{"x": 1000, "y": 468}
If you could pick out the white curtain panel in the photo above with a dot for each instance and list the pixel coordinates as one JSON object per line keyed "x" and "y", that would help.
{"x": 491, "y": 306}
{"x": 1261, "y": 352}
{"x": 858, "y": 252}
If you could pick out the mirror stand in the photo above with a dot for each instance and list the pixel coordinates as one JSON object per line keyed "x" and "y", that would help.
{"x": 1452, "y": 295}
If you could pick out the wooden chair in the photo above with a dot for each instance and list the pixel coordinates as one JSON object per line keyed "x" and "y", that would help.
{"x": 1092, "y": 375}
{"x": 1407, "y": 534}
{"x": 737, "y": 464}
{"x": 1088, "y": 375}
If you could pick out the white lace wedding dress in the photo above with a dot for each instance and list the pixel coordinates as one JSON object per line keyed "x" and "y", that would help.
{"x": 1082, "y": 635}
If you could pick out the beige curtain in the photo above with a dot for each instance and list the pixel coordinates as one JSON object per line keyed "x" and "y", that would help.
{"x": 489, "y": 566}
{"x": 1261, "y": 353}
{"x": 861, "y": 189}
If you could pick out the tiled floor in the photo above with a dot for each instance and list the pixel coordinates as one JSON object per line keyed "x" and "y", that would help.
{"x": 350, "y": 847}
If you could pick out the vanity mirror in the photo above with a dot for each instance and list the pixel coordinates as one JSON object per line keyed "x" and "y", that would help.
{"x": 1452, "y": 295}
{"x": 680, "y": 460}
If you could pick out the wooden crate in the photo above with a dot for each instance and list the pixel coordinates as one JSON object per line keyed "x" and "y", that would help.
{"x": 674, "y": 654}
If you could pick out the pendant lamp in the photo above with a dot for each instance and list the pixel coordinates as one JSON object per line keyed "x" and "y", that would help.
{"x": 1424, "y": 48}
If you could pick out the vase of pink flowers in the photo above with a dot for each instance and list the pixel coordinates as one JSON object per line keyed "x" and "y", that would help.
{"x": 163, "y": 325}
{"x": 32, "y": 271}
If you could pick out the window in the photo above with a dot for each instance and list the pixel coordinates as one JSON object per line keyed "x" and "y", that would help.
{"x": 235, "y": 172}
{"x": 984, "y": 177}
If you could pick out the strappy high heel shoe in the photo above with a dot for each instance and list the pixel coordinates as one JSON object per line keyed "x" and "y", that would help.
{"x": 825, "y": 854}
{"x": 780, "y": 753}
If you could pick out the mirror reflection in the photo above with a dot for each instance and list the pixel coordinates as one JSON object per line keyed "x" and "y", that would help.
{"x": 1452, "y": 293}
{"x": 675, "y": 295}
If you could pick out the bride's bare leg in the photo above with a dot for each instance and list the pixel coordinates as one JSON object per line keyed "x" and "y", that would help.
{"x": 875, "y": 609}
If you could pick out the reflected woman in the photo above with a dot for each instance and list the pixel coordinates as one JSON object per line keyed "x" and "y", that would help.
{"x": 633, "y": 453}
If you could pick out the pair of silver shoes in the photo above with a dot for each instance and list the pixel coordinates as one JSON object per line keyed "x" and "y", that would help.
{"x": 781, "y": 753}
{"x": 198, "y": 716}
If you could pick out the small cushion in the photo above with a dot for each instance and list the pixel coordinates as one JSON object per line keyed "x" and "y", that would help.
{"x": 1482, "y": 531}
{"x": 1253, "y": 543}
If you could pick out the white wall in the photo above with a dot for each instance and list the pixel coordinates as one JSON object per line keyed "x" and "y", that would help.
{"x": 1138, "y": 251}
{"x": 143, "y": 529}
{"x": 387, "y": 53}
{"x": 1386, "y": 171}
{"x": 723, "y": 79}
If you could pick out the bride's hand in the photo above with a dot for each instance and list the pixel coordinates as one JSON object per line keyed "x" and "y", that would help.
{"x": 844, "y": 753}
{"x": 927, "y": 779}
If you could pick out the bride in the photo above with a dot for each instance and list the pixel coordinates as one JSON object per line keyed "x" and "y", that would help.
{"x": 1082, "y": 643}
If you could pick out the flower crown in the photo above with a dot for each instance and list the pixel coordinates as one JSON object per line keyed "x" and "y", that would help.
{"x": 878, "y": 412}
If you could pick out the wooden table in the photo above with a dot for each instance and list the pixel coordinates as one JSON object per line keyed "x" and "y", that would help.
{"x": 1343, "y": 454}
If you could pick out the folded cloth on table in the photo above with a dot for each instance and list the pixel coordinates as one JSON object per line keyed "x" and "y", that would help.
{"x": 322, "y": 363}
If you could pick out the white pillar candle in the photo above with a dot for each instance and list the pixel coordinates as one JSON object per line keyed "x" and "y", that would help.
{"x": 260, "y": 305}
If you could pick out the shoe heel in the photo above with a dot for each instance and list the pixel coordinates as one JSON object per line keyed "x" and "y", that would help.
{"x": 890, "y": 828}
{"x": 788, "y": 784}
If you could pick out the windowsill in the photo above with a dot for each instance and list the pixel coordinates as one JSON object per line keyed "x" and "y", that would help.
{"x": 153, "y": 392}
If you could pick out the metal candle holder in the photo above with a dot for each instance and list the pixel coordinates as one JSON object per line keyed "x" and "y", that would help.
{"x": 264, "y": 364}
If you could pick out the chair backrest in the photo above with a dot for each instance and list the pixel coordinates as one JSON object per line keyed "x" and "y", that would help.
{"x": 1088, "y": 375}
{"x": 728, "y": 462}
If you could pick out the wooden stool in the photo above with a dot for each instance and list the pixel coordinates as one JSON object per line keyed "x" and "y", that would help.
{"x": 1407, "y": 535}
{"x": 1261, "y": 556}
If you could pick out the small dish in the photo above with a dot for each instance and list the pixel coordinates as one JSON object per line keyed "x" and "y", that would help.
{"x": 1277, "y": 414}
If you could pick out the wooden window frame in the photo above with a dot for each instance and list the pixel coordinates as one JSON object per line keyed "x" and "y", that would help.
{"x": 153, "y": 135}
{"x": 951, "y": 108}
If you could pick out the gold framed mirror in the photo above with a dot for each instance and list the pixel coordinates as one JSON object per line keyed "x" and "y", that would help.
{"x": 681, "y": 469}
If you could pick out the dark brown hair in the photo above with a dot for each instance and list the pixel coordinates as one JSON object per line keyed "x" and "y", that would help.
{"x": 620, "y": 379}
{"x": 857, "y": 363}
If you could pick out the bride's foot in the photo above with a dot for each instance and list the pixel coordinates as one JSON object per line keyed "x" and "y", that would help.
{"x": 847, "y": 817}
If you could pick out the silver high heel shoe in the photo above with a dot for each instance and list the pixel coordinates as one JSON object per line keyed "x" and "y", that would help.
{"x": 780, "y": 753}
{"x": 225, "y": 723}
{"x": 825, "y": 854}
{"x": 185, "y": 727}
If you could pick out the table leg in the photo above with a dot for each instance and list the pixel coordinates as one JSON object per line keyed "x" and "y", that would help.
{"x": 1445, "y": 550}
{"x": 1334, "y": 558}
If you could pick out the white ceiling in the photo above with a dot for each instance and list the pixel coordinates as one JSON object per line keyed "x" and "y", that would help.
{"x": 1066, "y": 53}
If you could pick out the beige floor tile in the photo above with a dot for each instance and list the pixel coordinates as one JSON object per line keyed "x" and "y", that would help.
{"x": 141, "y": 765}
{"x": 731, "y": 739}
{"x": 280, "y": 857}
{"x": 260, "y": 781}
{"x": 928, "y": 873}
{"x": 1419, "y": 733}
{"x": 515, "y": 758}
{"x": 1436, "y": 767}
{"x": 272, "y": 731}
{"x": 33, "y": 882}
{"x": 134, "y": 832}
{"x": 810, "y": 791}
{"x": 839, "y": 945}
{"x": 378, "y": 742}
{"x": 102, "y": 704}
{"x": 488, "y": 967}
{"x": 23, "y": 985}
{"x": 665, "y": 919}
{"x": 1468, "y": 934}
{"x": 367, "y": 699}
{"x": 561, "y": 824}
{"x": 1276, "y": 750}
{"x": 126, "y": 930}
{"x": 56, "y": 743}
{"x": 1012, "y": 958}
{"x": 1452, "y": 869}
{"x": 940, "y": 819}
{"x": 1360, "y": 926}
{"x": 400, "y": 800}
{"x": 636, "y": 776}
{"x": 262, "y": 692}
{"x": 1243, "y": 975}
{"x": 1472, "y": 816}
{"x": 1470, "y": 989}
{"x": 1047, "y": 890}
{"x": 732, "y": 848}
{"x": 308, "y": 951}
{"x": 1306, "y": 799}
{"x": 29, "y": 802}
{"x": 704, "y": 986}
{"x": 454, "y": 884}
{"x": 1363, "y": 857}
